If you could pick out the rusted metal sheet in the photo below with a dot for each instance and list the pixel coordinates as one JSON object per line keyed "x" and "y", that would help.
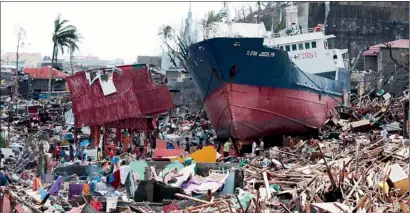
{"x": 6, "y": 208}
{"x": 136, "y": 96}
{"x": 131, "y": 123}
{"x": 44, "y": 73}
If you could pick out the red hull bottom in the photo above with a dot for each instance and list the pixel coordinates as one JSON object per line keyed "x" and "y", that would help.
{"x": 245, "y": 112}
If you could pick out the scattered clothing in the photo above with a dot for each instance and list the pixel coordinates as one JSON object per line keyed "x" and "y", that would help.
{"x": 86, "y": 189}
{"x": 124, "y": 171}
{"x": 115, "y": 160}
{"x": 75, "y": 189}
{"x": 56, "y": 186}
{"x": 48, "y": 178}
{"x": 37, "y": 184}
{"x": 3, "y": 179}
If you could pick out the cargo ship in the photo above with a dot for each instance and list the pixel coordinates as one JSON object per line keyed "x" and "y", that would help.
{"x": 256, "y": 84}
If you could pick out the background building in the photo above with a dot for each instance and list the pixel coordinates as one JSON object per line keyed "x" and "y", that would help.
{"x": 382, "y": 72}
{"x": 155, "y": 60}
{"x": 28, "y": 60}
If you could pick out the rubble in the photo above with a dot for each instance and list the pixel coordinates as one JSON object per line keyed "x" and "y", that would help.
{"x": 359, "y": 163}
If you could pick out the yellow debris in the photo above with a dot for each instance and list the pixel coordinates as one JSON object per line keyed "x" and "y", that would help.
{"x": 205, "y": 155}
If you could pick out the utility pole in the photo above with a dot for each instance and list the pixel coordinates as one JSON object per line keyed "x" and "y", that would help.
{"x": 21, "y": 35}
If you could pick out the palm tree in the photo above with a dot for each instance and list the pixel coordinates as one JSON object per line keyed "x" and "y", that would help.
{"x": 64, "y": 36}
{"x": 165, "y": 32}
{"x": 72, "y": 48}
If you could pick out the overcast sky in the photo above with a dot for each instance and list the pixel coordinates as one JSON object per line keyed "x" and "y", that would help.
{"x": 109, "y": 30}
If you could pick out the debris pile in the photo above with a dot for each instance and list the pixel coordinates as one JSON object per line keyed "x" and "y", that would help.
{"x": 359, "y": 163}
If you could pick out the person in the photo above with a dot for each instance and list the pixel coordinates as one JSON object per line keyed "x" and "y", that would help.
{"x": 201, "y": 143}
{"x": 187, "y": 145}
{"x": 170, "y": 145}
{"x": 261, "y": 145}
{"x": 2, "y": 160}
{"x": 110, "y": 152}
{"x": 241, "y": 149}
{"x": 71, "y": 152}
{"x": 99, "y": 154}
{"x": 227, "y": 147}
{"x": 254, "y": 146}
{"x": 84, "y": 154}
{"x": 218, "y": 145}
{"x": 58, "y": 151}
{"x": 62, "y": 154}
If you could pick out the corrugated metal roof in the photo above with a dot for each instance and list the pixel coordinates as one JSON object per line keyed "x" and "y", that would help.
{"x": 375, "y": 49}
{"x": 44, "y": 73}
{"x": 88, "y": 209}
{"x": 136, "y": 96}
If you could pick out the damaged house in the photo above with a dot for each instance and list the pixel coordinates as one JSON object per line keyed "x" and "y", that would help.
{"x": 387, "y": 70}
{"x": 36, "y": 80}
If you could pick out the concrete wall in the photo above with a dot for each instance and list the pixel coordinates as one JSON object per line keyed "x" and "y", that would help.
{"x": 303, "y": 15}
{"x": 358, "y": 25}
{"x": 399, "y": 77}
{"x": 188, "y": 95}
{"x": 173, "y": 74}
{"x": 370, "y": 62}
{"x": 155, "y": 60}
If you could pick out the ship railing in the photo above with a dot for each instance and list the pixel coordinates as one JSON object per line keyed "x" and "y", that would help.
{"x": 233, "y": 35}
{"x": 303, "y": 31}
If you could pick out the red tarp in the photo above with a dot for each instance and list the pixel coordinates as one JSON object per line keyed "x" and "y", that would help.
{"x": 44, "y": 73}
{"x": 136, "y": 96}
{"x": 162, "y": 151}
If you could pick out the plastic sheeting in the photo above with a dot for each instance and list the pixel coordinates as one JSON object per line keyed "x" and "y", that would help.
{"x": 136, "y": 95}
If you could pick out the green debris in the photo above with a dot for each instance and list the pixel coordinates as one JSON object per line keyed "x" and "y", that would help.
{"x": 275, "y": 187}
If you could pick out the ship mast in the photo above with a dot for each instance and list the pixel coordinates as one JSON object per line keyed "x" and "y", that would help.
{"x": 292, "y": 20}
{"x": 228, "y": 16}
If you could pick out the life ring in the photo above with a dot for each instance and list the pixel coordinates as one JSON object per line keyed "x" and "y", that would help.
{"x": 318, "y": 28}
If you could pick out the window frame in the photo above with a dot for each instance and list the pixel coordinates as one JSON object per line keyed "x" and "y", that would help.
{"x": 296, "y": 47}
{"x": 314, "y": 46}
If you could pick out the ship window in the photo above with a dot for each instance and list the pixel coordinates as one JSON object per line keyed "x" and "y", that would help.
{"x": 287, "y": 48}
{"x": 307, "y": 45}
{"x": 300, "y": 46}
{"x": 294, "y": 48}
{"x": 313, "y": 44}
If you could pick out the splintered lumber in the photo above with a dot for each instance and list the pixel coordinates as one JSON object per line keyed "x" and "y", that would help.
{"x": 191, "y": 198}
